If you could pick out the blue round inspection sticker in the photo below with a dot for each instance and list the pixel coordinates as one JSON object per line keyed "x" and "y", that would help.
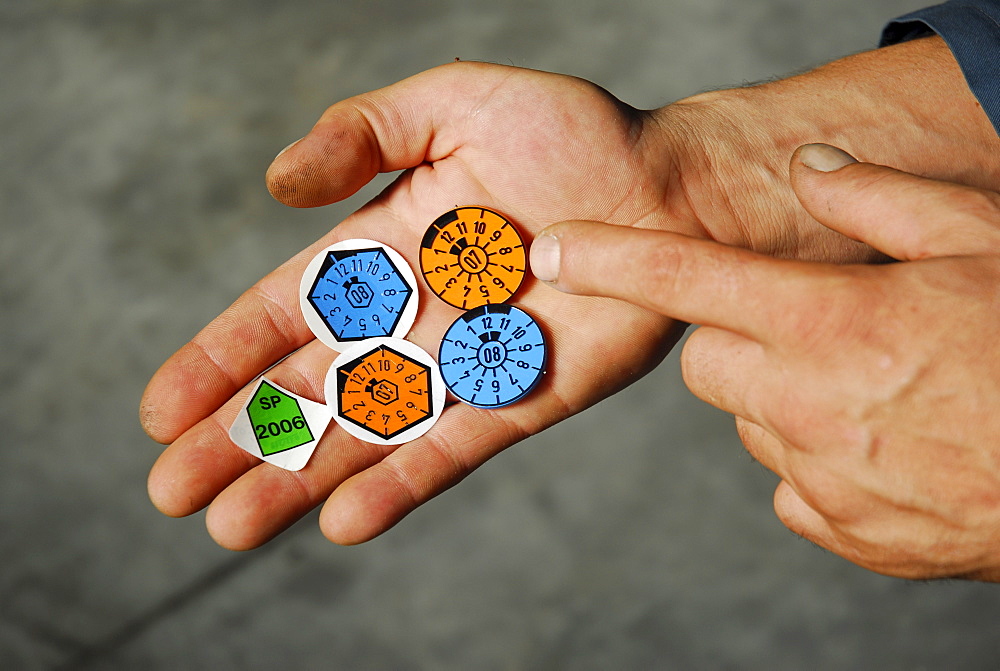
{"x": 492, "y": 356}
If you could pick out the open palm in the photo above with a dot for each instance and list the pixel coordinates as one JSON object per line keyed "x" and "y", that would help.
{"x": 539, "y": 148}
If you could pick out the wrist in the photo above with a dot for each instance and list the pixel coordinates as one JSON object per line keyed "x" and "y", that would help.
{"x": 905, "y": 106}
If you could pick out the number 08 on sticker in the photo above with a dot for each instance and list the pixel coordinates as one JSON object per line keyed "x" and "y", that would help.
{"x": 492, "y": 356}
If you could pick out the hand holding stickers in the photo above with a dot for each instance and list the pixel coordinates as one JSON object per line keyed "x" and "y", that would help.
{"x": 359, "y": 297}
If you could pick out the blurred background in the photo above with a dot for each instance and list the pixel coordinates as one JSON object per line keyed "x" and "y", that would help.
{"x": 135, "y": 136}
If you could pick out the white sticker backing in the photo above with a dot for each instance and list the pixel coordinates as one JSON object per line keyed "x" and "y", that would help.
{"x": 280, "y": 427}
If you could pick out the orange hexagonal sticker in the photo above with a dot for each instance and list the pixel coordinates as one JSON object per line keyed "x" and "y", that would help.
{"x": 385, "y": 390}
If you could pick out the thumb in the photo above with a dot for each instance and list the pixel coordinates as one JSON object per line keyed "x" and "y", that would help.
{"x": 902, "y": 215}
{"x": 394, "y": 128}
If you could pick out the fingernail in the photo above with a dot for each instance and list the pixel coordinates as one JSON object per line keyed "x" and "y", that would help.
{"x": 824, "y": 157}
{"x": 287, "y": 148}
{"x": 544, "y": 258}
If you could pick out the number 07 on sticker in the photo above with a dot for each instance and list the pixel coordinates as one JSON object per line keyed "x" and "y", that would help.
{"x": 472, "y": 256}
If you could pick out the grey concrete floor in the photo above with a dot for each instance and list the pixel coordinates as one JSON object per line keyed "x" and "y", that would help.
{"x": 637, "y": 535}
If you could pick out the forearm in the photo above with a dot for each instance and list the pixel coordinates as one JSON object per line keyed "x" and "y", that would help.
{"x": 906, "y": 106}
{"x": 971, "y": 28}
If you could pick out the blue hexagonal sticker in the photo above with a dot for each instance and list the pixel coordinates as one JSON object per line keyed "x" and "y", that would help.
{"x": 358, "y": 289}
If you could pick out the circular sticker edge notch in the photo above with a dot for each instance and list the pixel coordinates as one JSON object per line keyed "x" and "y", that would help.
{"x": 458, "y": 254}
{"x": 382, "y": 393}
{"x": 448, "y": 352}
{"x": 312, "y": 296}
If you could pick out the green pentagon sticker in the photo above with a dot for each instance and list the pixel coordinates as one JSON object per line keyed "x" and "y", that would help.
{"x": 277, "y": 420}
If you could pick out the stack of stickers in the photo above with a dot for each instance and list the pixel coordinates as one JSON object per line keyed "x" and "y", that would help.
{"x": 359, "y": 297}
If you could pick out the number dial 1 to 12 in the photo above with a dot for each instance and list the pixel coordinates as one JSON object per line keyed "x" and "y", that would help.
{"x": 492, "y": 356}
{"x": 358, "y": 289}
{"x": 385, "y": 391}
{"x": 472, "y": 256}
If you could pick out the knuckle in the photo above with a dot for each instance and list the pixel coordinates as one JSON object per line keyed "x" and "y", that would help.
{"x": 759, "y": 444}
{"x": 907, "y": 551}
{"x": 696, "y": 357}
{"x": 828, "y": 494}
{"x": 849, "y": 310}
{"x": 285, "y": 322}
{"x": 748, "y": 433}
{"x": 974, "y": 218}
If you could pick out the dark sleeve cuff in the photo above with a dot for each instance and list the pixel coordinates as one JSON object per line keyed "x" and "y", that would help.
{"x": 971, "y": 29}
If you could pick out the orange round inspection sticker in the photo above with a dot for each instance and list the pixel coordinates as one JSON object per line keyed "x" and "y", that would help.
{"x": 472, "y": 256}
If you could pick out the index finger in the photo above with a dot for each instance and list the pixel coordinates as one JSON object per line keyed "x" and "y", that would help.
{"x": 693, "y": 280}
